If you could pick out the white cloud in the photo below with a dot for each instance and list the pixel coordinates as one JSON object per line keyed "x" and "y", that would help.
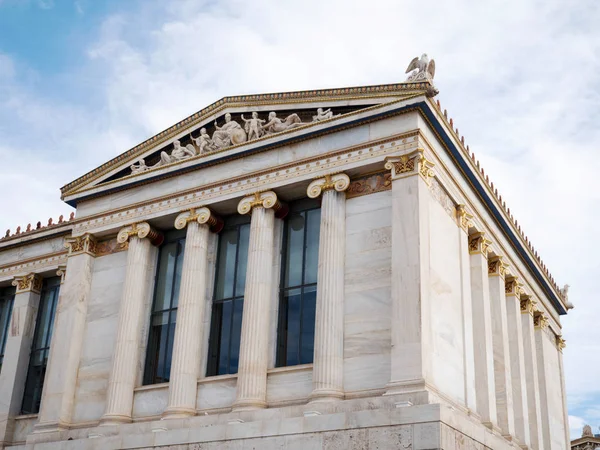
{"x": 519, "y": 77}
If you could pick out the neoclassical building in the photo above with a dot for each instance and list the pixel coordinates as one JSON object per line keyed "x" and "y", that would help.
{"x": 307, "y": 270}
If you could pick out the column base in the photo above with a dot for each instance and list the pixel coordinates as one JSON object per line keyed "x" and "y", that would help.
{"x": 50, "y": 427}
{"x": 178, "y": 413}
{"x": 326, "y": 395}
{"x": 114, "y": 419}
{"x": 248, "y": 405}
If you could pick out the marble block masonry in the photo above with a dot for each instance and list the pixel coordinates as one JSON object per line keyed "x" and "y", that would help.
{"x": 316, "y": 270}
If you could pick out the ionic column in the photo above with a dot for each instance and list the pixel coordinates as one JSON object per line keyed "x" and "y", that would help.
{"x": 254, "y": 341}
{"x": 328, "y": 361}
{"x": 543, "y": 347}
{"x": 531, "y": 372}
{"x": 502, "y": 373}
{"x": 483, "y": 348}
{"x": 185, "y": 366}
{"x": 560, "y": 345}
{"x": 16, "y": 352}
{"x": 58, "y": 396}
{"x": 464, "y": 222}
{"x": 122, "y": 380}
{"x": 410, "y": 290}
{"x": 517, "y": 360}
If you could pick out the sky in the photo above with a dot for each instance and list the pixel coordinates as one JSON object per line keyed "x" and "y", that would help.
{"x": 82, "y": 81}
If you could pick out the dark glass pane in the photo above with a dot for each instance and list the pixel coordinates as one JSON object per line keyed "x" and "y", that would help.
{"x": 43, "y": 319}
{"x": 313, "y": 228}
{"x": 293, "y": 299}
{"x": 294, "y": 249}
{"x": 164, "y": 278}
{"x": 226, "y": 264}
{"x": 6, "y": 304}
{"x": 169, "y": 351}
{"x": 226, "y": 316}
{"x": 214, "y": 340}
{"x": 307, "y": 336}
{"x": 244, "y": 239}
{"x": 236, "y": 331}
{"x": 178, "y": 271}
{"x": 53, "y": 304}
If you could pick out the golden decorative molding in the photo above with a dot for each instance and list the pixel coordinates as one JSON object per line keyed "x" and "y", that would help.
{"x": 62, "y": 272}
{"x": 339, "y": 182}
{"x": 202, "y": 216}
{"x": 463, "y": 217}
{"x": 110, "y": 246}
{"x": 560, "y": 342}
{"x": 28, "y": 283}
{"x": 141, "y": 230}
{"x": 369, "y": 184}
{"x": 265, "y": 200}
{"x": 528, "y": 305}
{"x": 497, "y": 267}
{"x": 540, "y": 320}
{"x": 413, "y": 163}
{"x": 478, "y": 244}
{"x": 512, "y": 287}
{"x": 81, "y": 244}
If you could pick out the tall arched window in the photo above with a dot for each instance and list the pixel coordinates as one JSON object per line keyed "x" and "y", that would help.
{"x": 228, "y": 299}
{"x": 164, "y": 308}
{"x": 7, "y": 297}
{"x": 40, "y": 347}
{"x": 298, "y": 292}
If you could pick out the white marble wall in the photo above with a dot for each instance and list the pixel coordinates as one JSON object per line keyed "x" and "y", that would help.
{"x": 367, "y": 306}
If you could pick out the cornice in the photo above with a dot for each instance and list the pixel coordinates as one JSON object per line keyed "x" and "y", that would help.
{"x": 197, "y": 118}
{"x": 37, "y": 264}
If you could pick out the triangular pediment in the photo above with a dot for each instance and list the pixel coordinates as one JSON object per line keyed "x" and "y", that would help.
{"x": 232, "y": 125}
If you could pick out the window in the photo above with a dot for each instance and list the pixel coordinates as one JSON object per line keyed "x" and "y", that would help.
{"x": 164, "y": 308}
{"x": 299, "y": 284}
{"x": 7, "y": 297}
{"x": 228, "y": 300}
{"x": 40, "y": 348}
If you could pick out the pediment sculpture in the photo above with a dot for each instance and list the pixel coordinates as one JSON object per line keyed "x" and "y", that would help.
{"x": 230, "y": 133}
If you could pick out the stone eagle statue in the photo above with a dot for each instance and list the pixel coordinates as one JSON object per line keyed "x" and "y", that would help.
{"x": 421, "y": 68}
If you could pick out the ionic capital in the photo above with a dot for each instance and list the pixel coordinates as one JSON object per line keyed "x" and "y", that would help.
{"x": 28, "y": 283}
{"x": 62, "y": 273}
{"x": 463, "y": 218}
{"x": 265, "y": 200}
{"x": 413, "y": 163}
{"x": 338, "y": 181}
{"x": 141, "y": 230}
{"x": 528, "y": 305}
{"x": 497, "y": 267}
{"x": 512, "y": 287}
{"x": 478, "y": 244}
{"x": 560, "y": 342}
{"x": 539, "y": 319}
{"x": 203, "y": 216}
{"x": 81, "y": 244}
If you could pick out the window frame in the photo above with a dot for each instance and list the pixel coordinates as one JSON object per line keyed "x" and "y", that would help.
{"x": 151, "y": 362}
{"x": 7, "y": 300}
{"x": 300, "y": 206}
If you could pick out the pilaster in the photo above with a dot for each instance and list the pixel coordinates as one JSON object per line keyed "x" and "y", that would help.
{"x": 16, "y": 352}
{"x": 254, "y": 341}
{"x": 502, "y": 370}
{"x": 483, "y": 347}
{"x": 527, "y": 307}
{"x": 122, "y": 380}
{"x": 328, "y": 363}
{"x": 185, "y": 366}
{"x": 513, "y": 291}
{"x": 58, "y": 396}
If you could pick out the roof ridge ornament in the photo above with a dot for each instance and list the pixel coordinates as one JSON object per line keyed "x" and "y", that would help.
{"x": 421, "y": 69}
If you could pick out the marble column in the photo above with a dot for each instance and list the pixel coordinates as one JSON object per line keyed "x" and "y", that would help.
{"x": 464, "y": 222}
{"x": 328, "y": 361}
{"x": 16, "y": 352}
{"x": 410, "y": 289}
{"x": 58, "y": 396}
{"x": 561, "y": 344}
{"x": 122, "y": 380}
{"x": 542, "y": 348}
{"x": 254, "y": 341}
{"x": 185, "y": 366}
{"x": 502, "y": 372}
{"x": 527, "y": 306}
{"x": 517, "y": 360}
{"x": 483, "y": 348}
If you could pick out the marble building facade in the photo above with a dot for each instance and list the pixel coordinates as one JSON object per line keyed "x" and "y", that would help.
{"x": 322, "y": 269}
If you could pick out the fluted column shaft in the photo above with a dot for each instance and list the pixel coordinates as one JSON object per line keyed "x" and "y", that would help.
{"x": 122, "y": 380}
{"x": 482, "y": 331}
{"x": 254, "y": 340}
{"x": 502, "y": 373}
{"x": 185, "y": 366}
{"x": 328, "y": 361}
{"x": 517, "y": 361}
